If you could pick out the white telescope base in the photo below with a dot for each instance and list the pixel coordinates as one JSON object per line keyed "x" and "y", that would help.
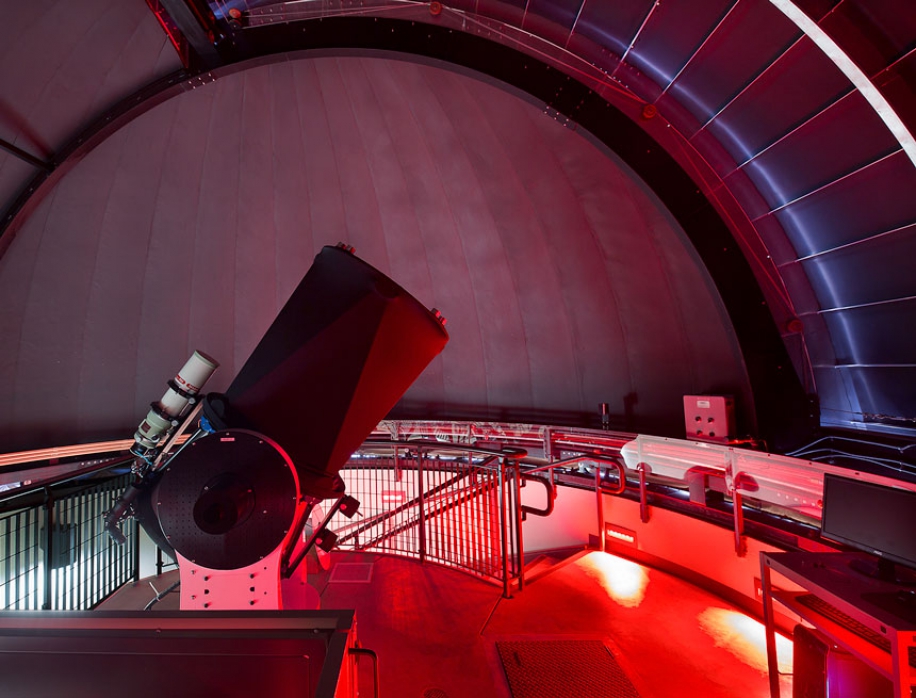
{"x": 257, "y": 587}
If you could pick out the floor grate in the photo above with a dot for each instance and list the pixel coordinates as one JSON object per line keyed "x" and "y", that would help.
{"x": 563, "y": 669}
{"x": 351, "y": 572}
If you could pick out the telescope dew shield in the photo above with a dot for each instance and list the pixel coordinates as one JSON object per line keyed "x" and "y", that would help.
{"x": 182, "y": 389}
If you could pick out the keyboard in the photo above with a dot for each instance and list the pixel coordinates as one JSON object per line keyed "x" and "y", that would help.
{"x": 815, "y": 603}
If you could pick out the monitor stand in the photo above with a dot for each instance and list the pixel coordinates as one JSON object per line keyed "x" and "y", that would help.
{"x": 885, "y": 571}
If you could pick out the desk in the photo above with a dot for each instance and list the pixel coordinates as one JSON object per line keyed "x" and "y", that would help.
{"x": 828, "y": 577}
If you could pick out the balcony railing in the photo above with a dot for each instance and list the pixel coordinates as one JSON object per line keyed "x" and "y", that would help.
{"x": 54, "y": 551}
{"x": 457, "y": 507}
{"x": 444, "y": 492}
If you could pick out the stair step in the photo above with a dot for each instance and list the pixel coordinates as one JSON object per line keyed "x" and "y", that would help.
{"x": 547, "y": 562}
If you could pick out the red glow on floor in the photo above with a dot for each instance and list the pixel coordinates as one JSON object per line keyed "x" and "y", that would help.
{"x": 623, "y": 580}
{"x": 745, "y": 638}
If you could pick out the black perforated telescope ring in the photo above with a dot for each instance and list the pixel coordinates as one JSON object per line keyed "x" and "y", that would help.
{"x": 227, "y": 500}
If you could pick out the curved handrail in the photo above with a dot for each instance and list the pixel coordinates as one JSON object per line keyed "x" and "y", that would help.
{"x": 510, "y": 452}
{"x": 44, "y": 485}
{"x": 363, "y": 651}
{"x": 599, "y": 459}
{"x": 7, "y": 460}
{"x": 551, "y": 497}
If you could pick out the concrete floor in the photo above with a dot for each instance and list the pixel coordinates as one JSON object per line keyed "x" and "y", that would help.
{"x": 436, "y": 630}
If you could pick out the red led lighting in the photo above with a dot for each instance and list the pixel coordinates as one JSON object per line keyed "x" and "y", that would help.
{"x": 624, "y": 581}
{"x": 619, "y": 533}
{"x": 745, "y": 638}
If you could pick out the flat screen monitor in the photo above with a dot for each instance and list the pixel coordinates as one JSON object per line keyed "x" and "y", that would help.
{"x": 875, "y": 519}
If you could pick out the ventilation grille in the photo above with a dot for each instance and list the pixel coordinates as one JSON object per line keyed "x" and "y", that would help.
{"x": 360, "y": 572}
{"x": 563, "y": 669}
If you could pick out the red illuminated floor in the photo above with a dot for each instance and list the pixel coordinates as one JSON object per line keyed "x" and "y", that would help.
{"x": 437, "y": 631}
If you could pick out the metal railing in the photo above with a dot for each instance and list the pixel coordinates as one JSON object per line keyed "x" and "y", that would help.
{"x": 54, "y": 551}
{"x": 454, "y": 504}
{"x": 457, "y": 507}
{"x": 459, "y": 510}
{"x": 446, "y": 492}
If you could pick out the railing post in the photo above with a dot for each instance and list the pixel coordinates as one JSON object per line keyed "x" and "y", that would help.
{"x": 602, "y": 543}
{"x": 136, "y": 544}
{"x": 49, "y": 542}
{"x": 503, "y": 537}
{"x": 519, "y": 542}
{"x": 738, "y": 513}
{"x": 642, "y": 468}
{"x": 422, "y": 504}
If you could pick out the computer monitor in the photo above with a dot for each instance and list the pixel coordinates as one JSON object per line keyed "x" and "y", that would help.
{"x": 875, "y": 519}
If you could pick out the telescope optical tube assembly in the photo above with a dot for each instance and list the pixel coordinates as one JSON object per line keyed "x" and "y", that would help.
{"x": 164, "y": 415}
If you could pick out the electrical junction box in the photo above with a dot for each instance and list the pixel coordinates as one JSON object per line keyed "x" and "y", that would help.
{"x": 709, "y": 418}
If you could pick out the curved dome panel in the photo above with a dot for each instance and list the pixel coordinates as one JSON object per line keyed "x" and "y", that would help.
{"x": 564, "y": 281}
{"x": 62, "y": 66}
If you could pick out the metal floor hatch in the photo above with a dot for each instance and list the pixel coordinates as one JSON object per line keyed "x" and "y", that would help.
{"x": 563, "y": 669}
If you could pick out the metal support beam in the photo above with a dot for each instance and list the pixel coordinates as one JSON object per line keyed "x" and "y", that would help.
{"x": 25, "y": 157}
{"x": 738, "y": 512}
{"x": 198, "y": 37}
{"x": 643, "y": 468}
